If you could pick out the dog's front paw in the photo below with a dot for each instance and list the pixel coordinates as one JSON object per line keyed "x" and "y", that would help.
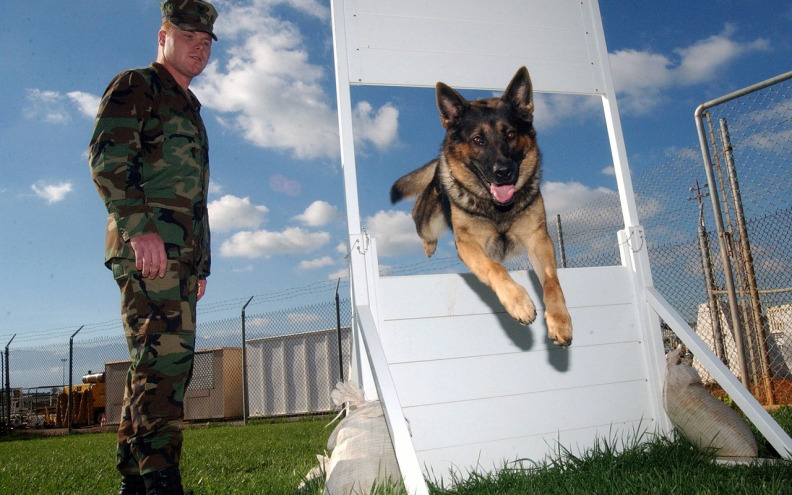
{"x": 559, "y": 328}
{"x": 519, "y": 305}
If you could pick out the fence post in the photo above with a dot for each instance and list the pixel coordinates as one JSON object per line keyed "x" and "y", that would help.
{"x": 724, "y": 245}
{"x": 748, "y": 264}
{"x": 71, "y": 372}
{"x": 245, "y": 405}
{"x": 561, "y": 248}
{"x": 338, "y": 333}
{"x": 8, "y": 386}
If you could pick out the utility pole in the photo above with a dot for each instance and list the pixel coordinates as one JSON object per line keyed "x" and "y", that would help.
{"x": 709, "y": 277}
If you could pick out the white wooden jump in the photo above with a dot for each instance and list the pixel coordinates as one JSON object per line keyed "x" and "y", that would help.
{"x": 462, "y": 385}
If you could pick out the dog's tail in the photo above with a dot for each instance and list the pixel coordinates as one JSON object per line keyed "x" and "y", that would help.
{"x": 414, "y": 183}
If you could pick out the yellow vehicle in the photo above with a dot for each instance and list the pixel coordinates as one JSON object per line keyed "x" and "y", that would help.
{"x": 88, "y": 402}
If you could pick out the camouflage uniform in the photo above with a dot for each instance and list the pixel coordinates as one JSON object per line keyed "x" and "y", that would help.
{"x": 149, "y": 159}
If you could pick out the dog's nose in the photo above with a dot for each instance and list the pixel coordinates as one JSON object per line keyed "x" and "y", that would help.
{"x": 502, "y": 173}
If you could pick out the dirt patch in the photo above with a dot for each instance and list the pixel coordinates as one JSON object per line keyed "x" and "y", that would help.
{"x": 781, "y": 392}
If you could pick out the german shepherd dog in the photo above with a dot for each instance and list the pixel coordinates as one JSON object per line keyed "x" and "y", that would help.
{"x": 485, "y": 186}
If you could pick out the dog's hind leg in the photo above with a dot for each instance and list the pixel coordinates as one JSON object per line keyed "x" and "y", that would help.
{"x": 430, "y": 222}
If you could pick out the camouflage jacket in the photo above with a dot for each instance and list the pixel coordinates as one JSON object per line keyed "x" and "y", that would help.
{"x": 149, "y": 158}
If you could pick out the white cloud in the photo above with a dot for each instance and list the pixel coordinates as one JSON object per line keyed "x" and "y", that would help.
{"x": 52, "y": 193}
{"x": 381, "y": 128}
{"x": 319, "y": 213}
{"x": 269, "y": 90}
{"x": 561, "y": 197}
{"x": 273, "y": 94}
{"x": 234, "y": 213}
{"x": 704, "y": 58}
{"x": 236, "y": 20}
{"x": 268, "y": 87}
{"x": 46, "y": 106}
{"x": 340, "y": 274}
{"x": 634, "y": 69}
{"x": 640, "y": 77}
{"x": 394, "y": 231}
{"x": 551, "y": 110}
{"x": 214, "y": 187}
{"x": 303, "y": 317}
{"x": 52, "y": 107}
{"x": 258, "y": 322}
{"x": 255, "y": 244}
{"x": 87, "y": 103}
{"x": 316, "y": 263}
{"x": 316, "y": 9}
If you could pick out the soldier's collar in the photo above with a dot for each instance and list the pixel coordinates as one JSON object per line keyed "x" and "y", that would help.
{"x": 167, "y": 78}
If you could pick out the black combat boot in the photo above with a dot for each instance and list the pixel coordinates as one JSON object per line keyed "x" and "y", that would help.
{"x": 164, "y": 482}
{"x": 132, "y": 485}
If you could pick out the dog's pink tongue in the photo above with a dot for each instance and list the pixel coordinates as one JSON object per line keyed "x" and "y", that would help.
{"x": 502, "y": 194}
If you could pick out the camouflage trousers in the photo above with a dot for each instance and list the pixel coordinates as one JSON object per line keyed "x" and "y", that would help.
{"x": 159, "y": 325}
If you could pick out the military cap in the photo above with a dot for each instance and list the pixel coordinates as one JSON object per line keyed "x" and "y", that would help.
{"x": 190, "y": 15}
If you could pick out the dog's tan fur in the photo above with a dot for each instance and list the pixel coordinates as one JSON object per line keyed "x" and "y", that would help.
{"x": 485, "y": 186}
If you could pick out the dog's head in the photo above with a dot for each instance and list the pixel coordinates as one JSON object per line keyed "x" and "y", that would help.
{"x": 490, "y": 144}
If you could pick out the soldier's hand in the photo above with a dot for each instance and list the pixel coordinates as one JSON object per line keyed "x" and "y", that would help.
{"x": 150, "y": 257}
{"x": 201, "y": 288}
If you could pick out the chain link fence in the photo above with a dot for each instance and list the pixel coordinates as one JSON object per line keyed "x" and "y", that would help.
{"x": 748, "y": 138}
{"x": 750, "y": 141}
{"x": 293, "y": 359}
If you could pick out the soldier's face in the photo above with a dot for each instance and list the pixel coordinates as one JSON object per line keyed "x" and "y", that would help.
{"x": 185, "y": 53}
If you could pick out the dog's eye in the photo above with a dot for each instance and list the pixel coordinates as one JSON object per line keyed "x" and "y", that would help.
{"x": 478, "y": 140}
{"x": 511, "y": 134}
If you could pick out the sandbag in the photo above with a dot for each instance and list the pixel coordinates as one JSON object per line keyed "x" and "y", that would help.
{"x": 703, "y": 420}
{"x": 362, "y": 453}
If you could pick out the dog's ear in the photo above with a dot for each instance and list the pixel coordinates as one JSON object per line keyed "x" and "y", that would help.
{"x": 450, "y": 103}
{"x": 520, "y": 94}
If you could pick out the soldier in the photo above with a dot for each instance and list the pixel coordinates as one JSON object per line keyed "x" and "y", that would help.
{"x": 149, "y": 160}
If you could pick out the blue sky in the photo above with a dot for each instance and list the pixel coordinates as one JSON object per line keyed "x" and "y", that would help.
{"x": 277, "y": 206}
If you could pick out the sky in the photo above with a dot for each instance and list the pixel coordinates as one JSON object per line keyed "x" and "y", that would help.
{"x": 277, "y": 208}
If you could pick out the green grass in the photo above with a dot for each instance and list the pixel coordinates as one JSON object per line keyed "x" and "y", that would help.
{"x": 660, "y": 466}
{"x": 261, "y": 458}
{"x": 272, "y": 458}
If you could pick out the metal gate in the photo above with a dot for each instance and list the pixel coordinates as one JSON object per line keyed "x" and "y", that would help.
{"x": 746, "y": 143}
